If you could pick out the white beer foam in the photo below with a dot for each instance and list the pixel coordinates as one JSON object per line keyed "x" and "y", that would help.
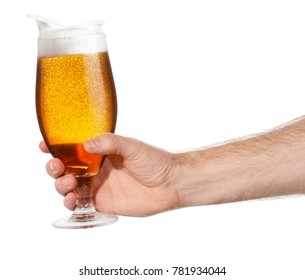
{"x": 72, "y": 45}
{"x": 57, "y": 40}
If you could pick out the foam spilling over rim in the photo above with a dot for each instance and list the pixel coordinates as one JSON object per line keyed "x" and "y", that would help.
{"x": 56, "y": 39}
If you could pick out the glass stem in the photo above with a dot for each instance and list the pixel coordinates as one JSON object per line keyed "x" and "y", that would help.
{"x": 84, "y": 210}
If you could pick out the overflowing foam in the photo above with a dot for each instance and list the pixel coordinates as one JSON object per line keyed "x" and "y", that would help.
{"x": 57, "y": 40}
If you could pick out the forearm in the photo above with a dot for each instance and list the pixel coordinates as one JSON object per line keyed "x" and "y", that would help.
{"x": 270, "y": 164}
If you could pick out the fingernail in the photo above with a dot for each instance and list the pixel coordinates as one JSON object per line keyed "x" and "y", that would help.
{"x": 91, "y": 144}
{"x": 52, "y": 166}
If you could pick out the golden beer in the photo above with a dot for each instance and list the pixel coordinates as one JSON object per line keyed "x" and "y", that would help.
{"x": 75, "y": 100}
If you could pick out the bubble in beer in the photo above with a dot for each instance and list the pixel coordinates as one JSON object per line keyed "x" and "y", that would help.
{"x": 75, "y": 99}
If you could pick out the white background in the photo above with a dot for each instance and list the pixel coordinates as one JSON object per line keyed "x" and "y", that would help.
{"x": 188, "y": 73}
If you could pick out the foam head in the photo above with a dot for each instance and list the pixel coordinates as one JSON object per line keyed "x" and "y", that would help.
{"x": 57, "y": 40}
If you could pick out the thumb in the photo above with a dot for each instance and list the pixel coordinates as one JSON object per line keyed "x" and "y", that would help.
{"x": 110, "y": 143}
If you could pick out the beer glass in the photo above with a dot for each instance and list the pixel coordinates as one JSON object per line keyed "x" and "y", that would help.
{"x": 75, "y": 101}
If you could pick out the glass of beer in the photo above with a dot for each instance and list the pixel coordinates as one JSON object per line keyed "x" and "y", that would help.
{"x": 75, "y": 101}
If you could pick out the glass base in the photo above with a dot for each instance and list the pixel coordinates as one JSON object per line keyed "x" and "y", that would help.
{"x": 95, "y": 219}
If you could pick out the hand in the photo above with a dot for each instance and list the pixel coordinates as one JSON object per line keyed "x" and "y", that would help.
{"x": 136, "y": 179}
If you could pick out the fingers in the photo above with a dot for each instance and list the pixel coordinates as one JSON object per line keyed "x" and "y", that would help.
{"x": 63, "y": 184}
{"x": 70, "y": 200}
{"x": 43, "y": 147}
{"x": 109, "y": 143}
{"x": 55, "y": 167}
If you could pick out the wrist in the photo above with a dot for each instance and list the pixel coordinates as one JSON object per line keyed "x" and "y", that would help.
{"x": 193, "y": 180}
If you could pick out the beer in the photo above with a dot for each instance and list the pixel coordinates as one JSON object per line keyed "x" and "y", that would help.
{"x": 76, "y": 160}
{"x": 75, "y": 100}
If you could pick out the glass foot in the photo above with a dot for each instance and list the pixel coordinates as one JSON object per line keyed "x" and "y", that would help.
{"x": 96, "y": 219}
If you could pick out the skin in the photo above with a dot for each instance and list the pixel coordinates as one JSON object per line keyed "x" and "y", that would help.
{"x": 138, "y": 179}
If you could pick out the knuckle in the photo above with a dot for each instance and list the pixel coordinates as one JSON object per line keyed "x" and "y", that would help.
{"x": 108, "y": 141}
